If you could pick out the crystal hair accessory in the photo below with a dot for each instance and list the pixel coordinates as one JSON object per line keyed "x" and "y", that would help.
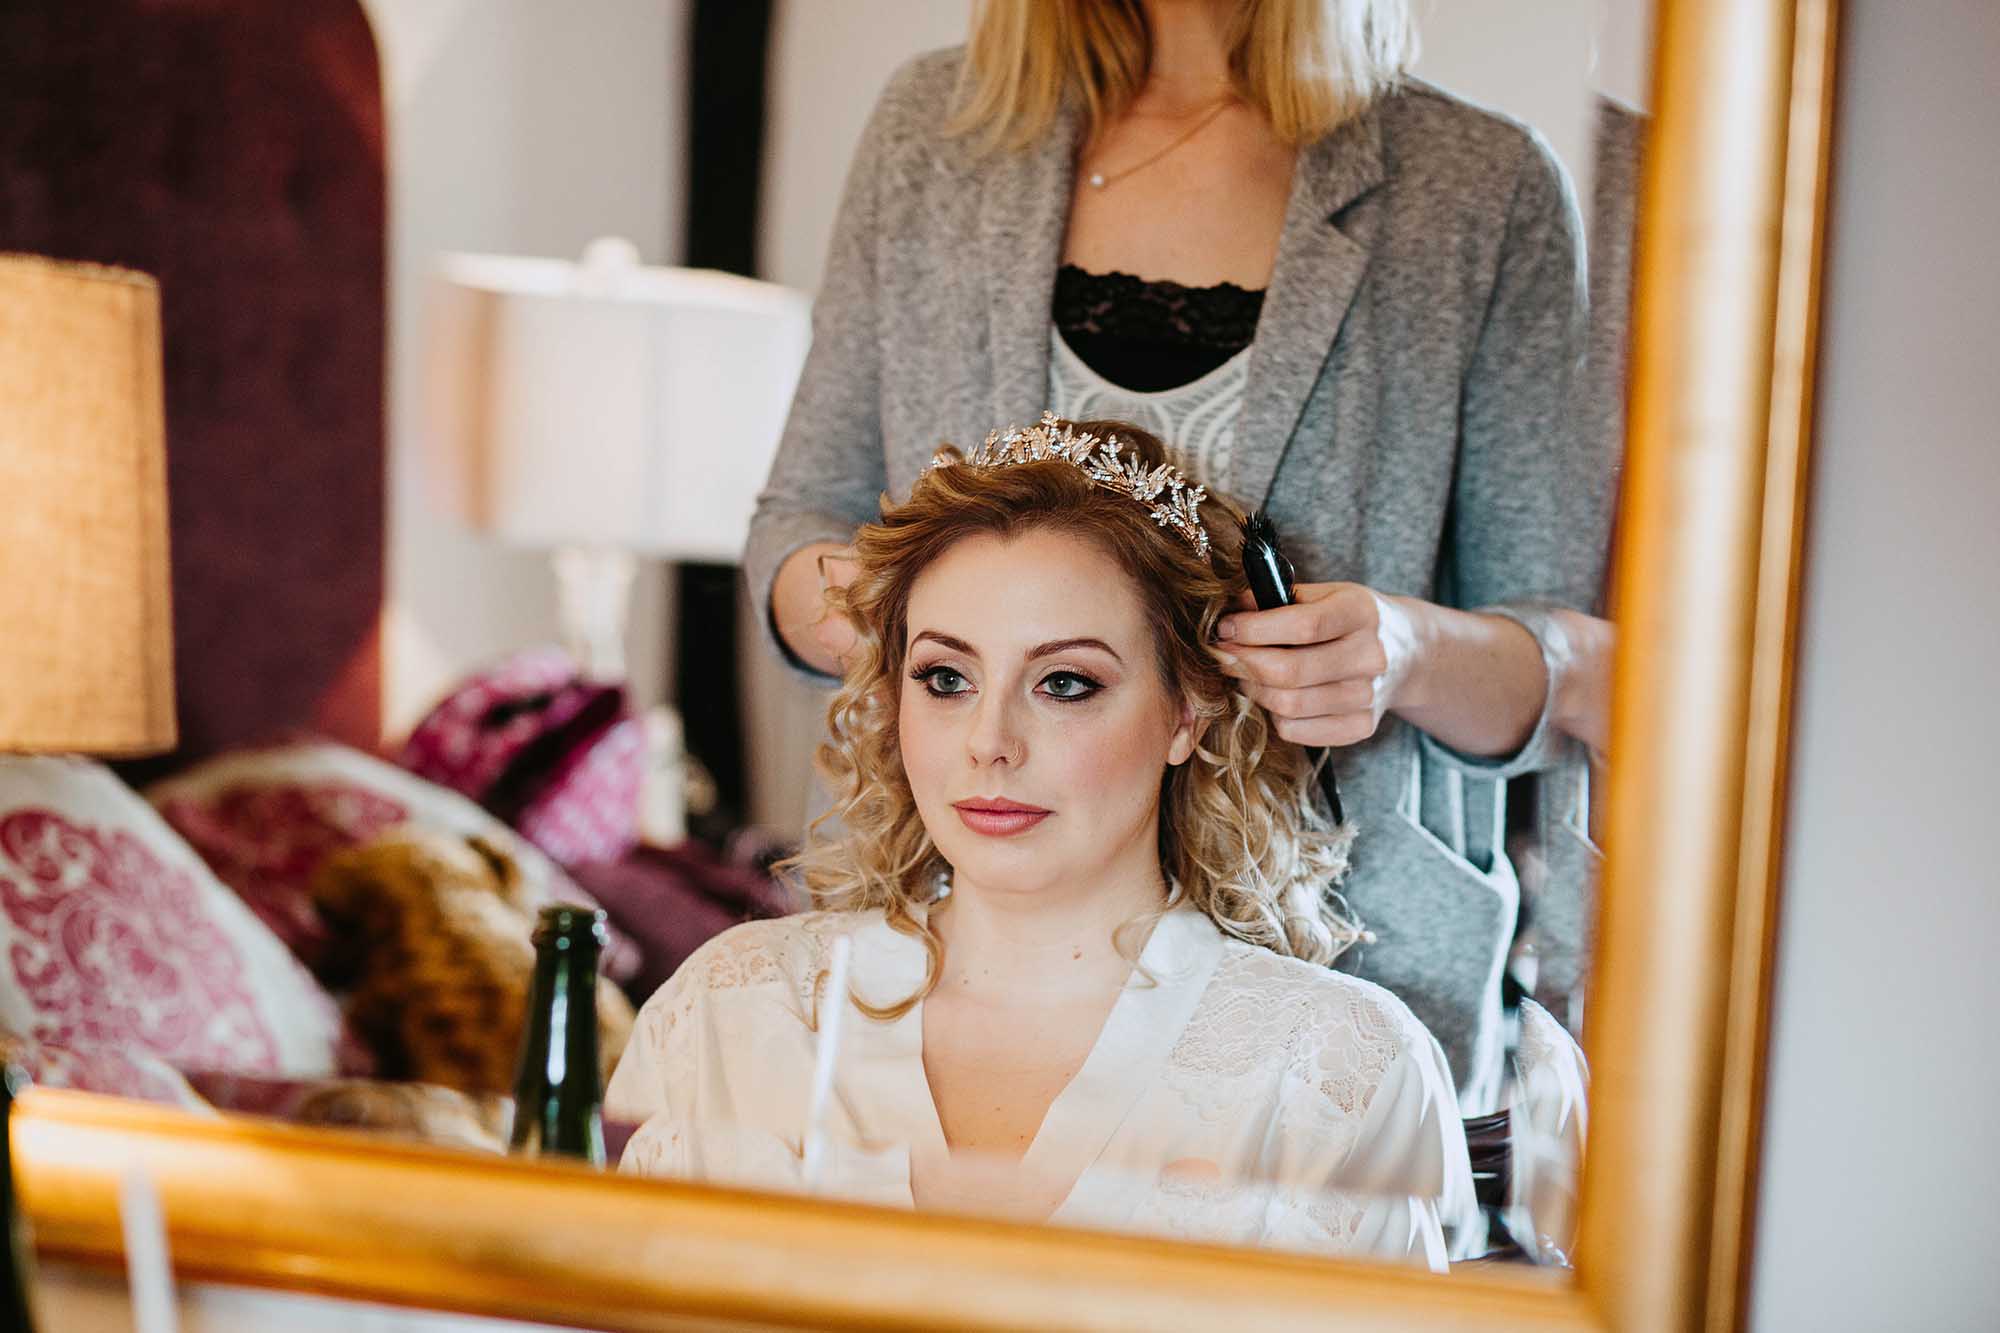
{"x": 1164, "y": 490}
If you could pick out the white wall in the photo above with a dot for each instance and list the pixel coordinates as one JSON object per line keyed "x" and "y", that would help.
{"x": 1881, "y": 1181}
{"x": 828, "y": 62}
{"x": 1528, "y": 58}
{"x": 515, "y": 126}
{"x": 1622, "y": 51}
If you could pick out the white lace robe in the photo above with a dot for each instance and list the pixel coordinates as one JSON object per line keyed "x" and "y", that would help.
{"x": 1233, "y": 1095}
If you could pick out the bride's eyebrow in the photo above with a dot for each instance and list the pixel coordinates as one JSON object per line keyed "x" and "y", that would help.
{"x": 956, "y": 645}
{"x": 1049, "y": 649}
{"x": 1054, "y": 646}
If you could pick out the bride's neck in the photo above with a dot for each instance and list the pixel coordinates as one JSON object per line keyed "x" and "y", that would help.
{"x": 1044, "y": 943}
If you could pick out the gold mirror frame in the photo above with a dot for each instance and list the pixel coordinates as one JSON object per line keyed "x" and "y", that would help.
{"x": 1707, "y": 591}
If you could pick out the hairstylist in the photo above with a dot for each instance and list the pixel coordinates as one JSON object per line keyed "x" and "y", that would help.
{"x": 1332, "y": 288}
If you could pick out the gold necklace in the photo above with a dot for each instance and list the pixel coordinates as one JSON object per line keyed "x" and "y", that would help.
{"x": 1098, "y": 180}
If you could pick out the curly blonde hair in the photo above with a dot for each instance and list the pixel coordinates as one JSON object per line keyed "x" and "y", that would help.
{"x": 1240, "y": 833}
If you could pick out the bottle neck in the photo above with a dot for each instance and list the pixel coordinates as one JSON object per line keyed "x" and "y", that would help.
{"x": 563, "y": 1018}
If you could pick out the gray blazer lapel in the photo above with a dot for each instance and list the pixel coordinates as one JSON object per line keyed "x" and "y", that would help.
{"x": 1024, "y": 215}
{"x": 1313, "y": 282}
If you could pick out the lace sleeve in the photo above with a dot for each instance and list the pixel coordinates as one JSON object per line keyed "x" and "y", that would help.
{"x": 673, "y": 1074}
{"x": 1411, "y": 1138}
{"x": 649, "y": 1088}
{"x": 658, "y": 1148}
{"x": 1371, "y": 1153}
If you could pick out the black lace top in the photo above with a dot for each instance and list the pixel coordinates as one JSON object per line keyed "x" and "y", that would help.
{"x": 1151, "y": 336}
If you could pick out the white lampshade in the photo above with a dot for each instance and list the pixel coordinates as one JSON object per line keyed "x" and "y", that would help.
{"x": 606, "y": 404}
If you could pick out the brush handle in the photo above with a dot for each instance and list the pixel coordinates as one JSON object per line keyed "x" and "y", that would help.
{"x": 1271, "y": 585}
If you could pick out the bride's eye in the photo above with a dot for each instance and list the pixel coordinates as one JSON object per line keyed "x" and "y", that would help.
{"x": 942, "y": 681}
{"x": 1069, "y": 686}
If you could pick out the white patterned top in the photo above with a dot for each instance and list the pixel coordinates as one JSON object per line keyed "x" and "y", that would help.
{"x": 1232, "y": 1094}
{"x": 1197, "y": 420}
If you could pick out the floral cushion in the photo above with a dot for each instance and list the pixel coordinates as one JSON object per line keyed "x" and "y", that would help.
{"x": 558, "y": 757}
{"x": 120, "y": 1073}
{"x": 266, "y": 819}
{"x": 117, "y": 941}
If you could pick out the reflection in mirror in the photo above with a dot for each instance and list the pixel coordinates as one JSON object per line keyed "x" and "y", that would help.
{"x": 1171, "y": 909}
{"x": 1435, "y": 434}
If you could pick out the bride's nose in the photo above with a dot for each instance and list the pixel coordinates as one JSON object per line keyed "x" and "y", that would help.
{"x": 995, "y": 737}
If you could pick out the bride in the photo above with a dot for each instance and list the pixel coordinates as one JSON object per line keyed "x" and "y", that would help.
{"x": 1087, "y": 898}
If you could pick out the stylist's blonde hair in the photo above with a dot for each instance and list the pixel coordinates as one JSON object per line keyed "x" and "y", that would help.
{"x": 1308, "y": 65}
{"x": 1240, "y": 835}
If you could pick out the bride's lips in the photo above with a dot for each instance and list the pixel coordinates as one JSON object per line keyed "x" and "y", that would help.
{"x": 997, "y": 817}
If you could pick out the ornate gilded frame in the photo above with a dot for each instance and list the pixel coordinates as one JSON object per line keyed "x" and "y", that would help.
{"x": 1707, "y": 590}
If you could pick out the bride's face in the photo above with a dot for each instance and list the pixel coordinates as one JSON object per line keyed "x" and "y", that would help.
{"x": 1035, "y": 726}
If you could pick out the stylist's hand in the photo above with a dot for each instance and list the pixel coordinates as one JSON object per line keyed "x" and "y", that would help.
{"x": 819, "y": 635}
{"x": 1327, "y": 667}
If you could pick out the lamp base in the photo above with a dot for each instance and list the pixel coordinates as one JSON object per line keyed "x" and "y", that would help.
{"x": 594, "y": 593}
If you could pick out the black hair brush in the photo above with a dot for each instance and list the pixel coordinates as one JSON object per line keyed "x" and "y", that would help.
{"x": 1264, "y": 565}
{"x": 1271, "y": 584}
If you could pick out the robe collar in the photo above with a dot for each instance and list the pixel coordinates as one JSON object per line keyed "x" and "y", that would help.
{"x": 886, "y": 1099}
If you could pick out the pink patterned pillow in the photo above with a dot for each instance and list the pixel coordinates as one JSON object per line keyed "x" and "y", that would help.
{"x": 115, "y": 939}
{"x": 119, "y": 1073}
{"x": 266, "y": 841}
{"x": 556, "y": 756}
{"x": 266, "y": 819}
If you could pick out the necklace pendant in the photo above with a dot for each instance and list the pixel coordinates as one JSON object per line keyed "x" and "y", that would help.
{"x": 1097, "y": 180}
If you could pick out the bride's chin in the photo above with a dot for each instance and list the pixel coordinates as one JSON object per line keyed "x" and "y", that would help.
{"x": 1004, "y": 872}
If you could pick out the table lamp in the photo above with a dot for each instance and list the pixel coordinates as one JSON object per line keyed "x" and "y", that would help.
{"x": 86, "y": 636}
{"x": 86, "y": 632}
{"x": 605, "y": 410}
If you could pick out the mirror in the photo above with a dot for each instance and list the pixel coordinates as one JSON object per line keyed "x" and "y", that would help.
{"x": 1441, "y": 809}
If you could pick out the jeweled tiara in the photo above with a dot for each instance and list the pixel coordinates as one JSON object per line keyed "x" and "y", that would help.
{"x": 1164, "y": 490}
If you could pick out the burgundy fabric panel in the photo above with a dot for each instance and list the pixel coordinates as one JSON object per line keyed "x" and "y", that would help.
{"x": 673, "y": 900}
{"x": 234, "y": 149}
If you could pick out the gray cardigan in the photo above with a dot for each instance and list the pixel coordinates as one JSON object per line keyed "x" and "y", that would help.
{"x": 1407, "y": 421}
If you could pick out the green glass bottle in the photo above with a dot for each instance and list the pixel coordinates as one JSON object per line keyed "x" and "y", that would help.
{"x": 17, "y": 1273}
{"x": 558, "y": 1094}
